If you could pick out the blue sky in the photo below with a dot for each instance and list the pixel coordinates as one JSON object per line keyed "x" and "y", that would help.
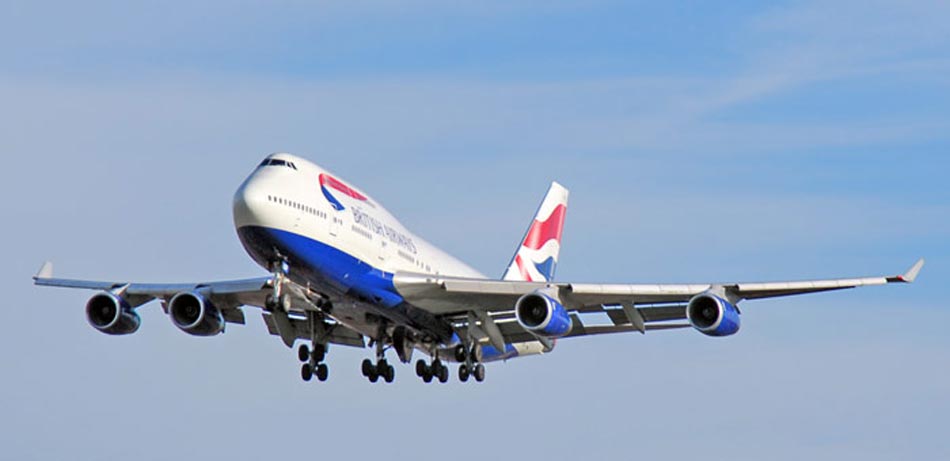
{"x": 701, "y": 142}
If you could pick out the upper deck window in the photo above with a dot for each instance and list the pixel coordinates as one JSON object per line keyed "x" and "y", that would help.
{"x": 278, "y": 162}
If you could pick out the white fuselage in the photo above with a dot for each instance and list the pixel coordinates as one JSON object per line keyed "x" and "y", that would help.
{"x": 290, "y": 199}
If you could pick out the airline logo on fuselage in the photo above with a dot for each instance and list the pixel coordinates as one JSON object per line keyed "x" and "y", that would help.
{"x": 328, "y": 182}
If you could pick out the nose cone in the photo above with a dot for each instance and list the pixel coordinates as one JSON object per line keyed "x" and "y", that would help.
{"x": 250, "y": 203}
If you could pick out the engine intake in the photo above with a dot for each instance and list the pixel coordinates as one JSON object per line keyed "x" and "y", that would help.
{"x": 712, "y": 315}
{"x": 112, "y": 315}
{"x": 543, "y": 315}
{"x": 194, "y": 314}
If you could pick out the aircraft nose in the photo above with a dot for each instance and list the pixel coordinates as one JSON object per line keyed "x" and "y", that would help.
{"x": 250, "y": 201}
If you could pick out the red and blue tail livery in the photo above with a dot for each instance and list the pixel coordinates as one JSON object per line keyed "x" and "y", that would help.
{"x": 536, "y": 258}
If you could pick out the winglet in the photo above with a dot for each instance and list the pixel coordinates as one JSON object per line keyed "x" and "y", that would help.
{"x": 46, "y": 272}
{"x": 910, "y": 275}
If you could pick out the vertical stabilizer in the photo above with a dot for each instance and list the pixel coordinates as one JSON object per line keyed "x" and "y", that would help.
{"x": 536, "y": 257}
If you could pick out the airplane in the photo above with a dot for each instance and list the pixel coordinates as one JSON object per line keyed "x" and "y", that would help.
{"x": 344, "y": 271}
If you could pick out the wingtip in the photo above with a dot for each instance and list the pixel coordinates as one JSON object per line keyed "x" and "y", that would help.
{"x": 45, "y": 272}
{"x": 911, "y": 273}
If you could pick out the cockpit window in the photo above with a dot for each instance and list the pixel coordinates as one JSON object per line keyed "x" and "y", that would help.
{"x": 278, "y": 162}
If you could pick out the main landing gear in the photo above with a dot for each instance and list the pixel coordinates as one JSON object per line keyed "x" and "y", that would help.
{"x": 436, "y": 370}
{"x": 471, "y": 358}
{"x": 313, "y": 362}
{"x": 381, "y": 369}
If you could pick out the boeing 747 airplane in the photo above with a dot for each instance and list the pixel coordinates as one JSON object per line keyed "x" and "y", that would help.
{"x": 344, "y": 271}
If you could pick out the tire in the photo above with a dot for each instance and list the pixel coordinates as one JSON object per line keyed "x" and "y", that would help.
{"x": 460, "y": 353}
{"x": 436, "y": 367}
{"x": 303, "y": 353}
{"x": 444, "y": 374}
{"x": 319, "y": 353}
{"x": 479, "y": 372}
{"x": 421, "y": 368}
{"x": 373, "y": 377}
{"x": 269, "y": 303}
{"x": 390, "y": 374}
{"x": 306, "y": 372}
{"x": 368, "y": 368}
{"x": 463, "y": 372}
{"x": 323, "y": 372}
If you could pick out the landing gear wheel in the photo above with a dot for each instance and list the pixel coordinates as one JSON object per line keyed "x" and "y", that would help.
{"x": 322, "y": 372}
{"x": 479, "y": 372}
{"x": 368, "y": 368}
{"x": 303, "y": 353}
{"x": 444, "y": 374}
{"x": 460, "y": 353}
{"x": 463, "y": 372}
{"x": 373, "y": 377}
{"x": 421, "y": 368}
{"x": 427, "y": 376}
{"x": 384, "y": 370}
{"x": 319, "y": 353}
{"x": 306, "y": 372}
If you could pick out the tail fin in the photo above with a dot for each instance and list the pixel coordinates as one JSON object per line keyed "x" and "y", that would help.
{"x": 536, "y": 257}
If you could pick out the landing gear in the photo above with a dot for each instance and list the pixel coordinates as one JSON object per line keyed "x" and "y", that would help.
{"x": 479, "y": 372}
{"x": 381, "y": 369}
{"x": 436, "y": 370}
{"x": 277, "y": 299}
{"x": 471, "y": 358}
{"x": 308, "y": 371}
{"x": 313, "y": 362}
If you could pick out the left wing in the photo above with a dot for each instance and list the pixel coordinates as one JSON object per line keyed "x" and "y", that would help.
{"x": 228, "y": 296}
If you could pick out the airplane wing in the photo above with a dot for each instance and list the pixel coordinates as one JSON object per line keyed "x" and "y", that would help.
{"x": 228, "y": 295}
{"x": 630, "y": 307}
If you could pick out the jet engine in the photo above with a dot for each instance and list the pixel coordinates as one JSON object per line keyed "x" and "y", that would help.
{"x": 111, "y": 314}
{"x": 543, "y": 315}
{"x": 712, "y": 315}
{"x": 196, "y": 315}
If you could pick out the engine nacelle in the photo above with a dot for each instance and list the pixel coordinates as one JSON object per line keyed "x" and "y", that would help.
{"x": 112, "y": 315}
{"x": 543, "y": 315}
{"x": 712, "y": 315}
{"x": 194, "y": 314}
